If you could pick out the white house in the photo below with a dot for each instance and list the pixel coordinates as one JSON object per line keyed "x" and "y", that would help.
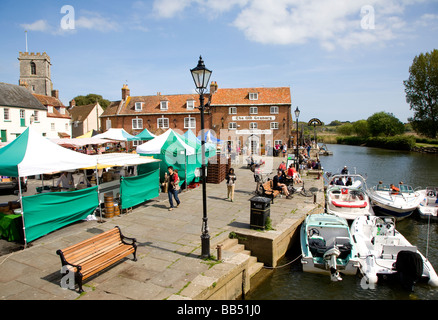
{"x": 18, "y": 109}
{"x": 57, "y": 116}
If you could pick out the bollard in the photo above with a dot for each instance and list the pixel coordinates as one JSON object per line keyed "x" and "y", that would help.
{"x": 219, "y": 252}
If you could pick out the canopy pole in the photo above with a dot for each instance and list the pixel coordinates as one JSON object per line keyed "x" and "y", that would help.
{"x": 98, "y": 193}
{"x": 22, "y": 209}
{"x": 185, "y": 159}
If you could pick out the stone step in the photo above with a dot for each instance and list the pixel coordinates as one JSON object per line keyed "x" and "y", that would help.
{"x": 255, "y": 268}
{"x": 229, "y": 243}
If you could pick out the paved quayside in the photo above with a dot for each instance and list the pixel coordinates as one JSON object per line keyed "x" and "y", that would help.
{"x": 169, "y": 264}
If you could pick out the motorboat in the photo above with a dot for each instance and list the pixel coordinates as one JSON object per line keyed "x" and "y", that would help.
{"x": 346, "y": 196}
{"x": 397, "y": 202}
{"x": 384, "y": 252}
{"x": 324, "y": 151}
{"x": 428, "y": 208}
{"x": 327, "y": 247}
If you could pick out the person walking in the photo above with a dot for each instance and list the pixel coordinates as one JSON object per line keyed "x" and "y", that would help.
{"x": 173, "y": 188}
{"x": 231, "y": 184}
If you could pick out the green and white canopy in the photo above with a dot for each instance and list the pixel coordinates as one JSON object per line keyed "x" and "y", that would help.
{"x": 145, "y": 135}
{"x": 116, "y": 134}
{"x": 31, "y": 154}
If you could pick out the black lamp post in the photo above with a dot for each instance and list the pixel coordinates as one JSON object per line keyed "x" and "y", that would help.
{"x": 201, "y": 76}
{"x": 297, "y": 115}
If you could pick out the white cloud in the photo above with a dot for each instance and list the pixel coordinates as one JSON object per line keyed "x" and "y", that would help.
{"x": 169, "y": 8}
{"x": 39, "y": 25}
{"x": 95, "y": 21}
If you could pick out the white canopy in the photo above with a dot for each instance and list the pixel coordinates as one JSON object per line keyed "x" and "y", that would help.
{"x": 31, "y": 154}
{"x": 80, "y": 142}
{"x": 122, "y": 159}
{"x": 116, "y": 134}
{"x": 168, "y": 140}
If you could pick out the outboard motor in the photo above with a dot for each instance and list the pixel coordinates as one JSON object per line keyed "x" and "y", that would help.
{"x": 409, "y": 266}
{"x": 330, "y": 256}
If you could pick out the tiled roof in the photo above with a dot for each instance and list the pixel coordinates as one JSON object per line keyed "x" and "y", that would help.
{"x": 15, "y": 96}
{"x": 151, "y": 104}
{"x": 240, "y": 96}
{"x": 55, "y": 103}
{"x": 80, "y": 113}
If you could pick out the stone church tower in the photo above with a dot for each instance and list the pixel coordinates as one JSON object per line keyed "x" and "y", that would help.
{"x": 35, "y": 72}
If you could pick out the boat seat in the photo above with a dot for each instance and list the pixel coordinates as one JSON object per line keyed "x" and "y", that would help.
{"x": 391, "y": 251}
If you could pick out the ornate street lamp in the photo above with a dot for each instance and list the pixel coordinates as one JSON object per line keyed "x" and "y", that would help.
{"x": 201, "y": 76}
{"x": 297, "y": 115}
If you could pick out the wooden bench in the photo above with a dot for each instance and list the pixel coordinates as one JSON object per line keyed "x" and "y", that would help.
{"x": 268, "y": 191}
{"x": 90, "y": 256}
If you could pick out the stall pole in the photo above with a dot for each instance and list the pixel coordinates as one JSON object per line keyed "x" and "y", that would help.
{"x": 98, "y": 193}
{"x": 22, "y": 209}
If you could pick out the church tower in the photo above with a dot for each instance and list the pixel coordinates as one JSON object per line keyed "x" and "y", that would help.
{"x": 35, "y": 72}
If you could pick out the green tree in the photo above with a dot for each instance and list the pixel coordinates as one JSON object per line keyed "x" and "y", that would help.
{"x": 92, "y": 98}
{"x": 360, "y": 127}
{"x": 422, "y": 93}
{"x": 346, "y": 129}
{"x": 384, "y": 124}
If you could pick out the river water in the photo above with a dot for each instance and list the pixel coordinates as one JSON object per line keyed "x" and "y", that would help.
{"x": 418, "y": 170}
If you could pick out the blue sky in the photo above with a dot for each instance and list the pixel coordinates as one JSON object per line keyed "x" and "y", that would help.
{"x": 343, "y": 59}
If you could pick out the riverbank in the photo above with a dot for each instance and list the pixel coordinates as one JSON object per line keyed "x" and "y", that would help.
{"x": 169, "y": 266}
{"x": 403, "y": 142}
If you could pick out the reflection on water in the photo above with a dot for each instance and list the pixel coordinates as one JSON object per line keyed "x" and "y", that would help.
{"x": 418, "y": 170}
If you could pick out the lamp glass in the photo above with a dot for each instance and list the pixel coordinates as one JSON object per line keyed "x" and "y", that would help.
{"x": 201, "y": 75}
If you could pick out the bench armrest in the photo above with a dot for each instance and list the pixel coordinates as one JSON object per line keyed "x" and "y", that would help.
{"x": 123, "y": 238}
{"x": 64, "y": 262}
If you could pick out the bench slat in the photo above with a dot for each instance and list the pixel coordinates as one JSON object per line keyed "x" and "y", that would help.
{"x": 97, "y": 253}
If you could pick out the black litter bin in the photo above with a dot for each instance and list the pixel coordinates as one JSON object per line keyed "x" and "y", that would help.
{"x": 260, "y": 211}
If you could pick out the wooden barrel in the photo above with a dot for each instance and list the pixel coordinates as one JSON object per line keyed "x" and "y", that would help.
{"x": 116, "y": 209}
{"x": 109, "y": 205}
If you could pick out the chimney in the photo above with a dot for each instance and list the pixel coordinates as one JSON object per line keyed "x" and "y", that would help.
{"x": 55, "y": 94}
{"x": 72, "y": 103}
{"x": 125, "y": 92}
{"x": 213, "y": 87}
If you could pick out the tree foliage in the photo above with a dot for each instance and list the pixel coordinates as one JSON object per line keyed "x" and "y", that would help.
{"x": 384, "y": 124}
{"x": 422, "y": 93}
{"x": 90, "y": 99}
{"x": 360, "y": 127}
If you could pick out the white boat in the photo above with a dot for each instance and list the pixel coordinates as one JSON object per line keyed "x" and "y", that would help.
{"x": 399, "y": 204}
{"x": 327, "y": 247}
{"x": 385, "y": 252}
{"x": 350, "y": 201}
{"x": 428, "y": 207}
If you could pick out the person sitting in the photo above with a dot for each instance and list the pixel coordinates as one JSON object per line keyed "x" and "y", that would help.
{"x": 282, "y": 166}
{"x": 339, "y": 182}
{"x": 349, "y": 182}
{"x": 278, "y": 185}
{"x": 394, "y": 189}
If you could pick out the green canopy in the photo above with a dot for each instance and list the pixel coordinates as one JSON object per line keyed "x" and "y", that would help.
{"x": 145, "y": 135}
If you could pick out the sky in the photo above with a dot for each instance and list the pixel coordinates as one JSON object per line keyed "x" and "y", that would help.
{"x": 342, "y": 59}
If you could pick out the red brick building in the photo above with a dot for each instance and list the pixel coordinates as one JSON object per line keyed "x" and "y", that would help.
{"x": 247, "y": 117}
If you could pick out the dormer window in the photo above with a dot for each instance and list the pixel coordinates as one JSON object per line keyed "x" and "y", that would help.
{"x": 138, "y": 106}
{"x": 164, "y": 105}
{"x": 49, "y": 109}
{"x": 190, "y": 104}
{"x": 253, "y": 96}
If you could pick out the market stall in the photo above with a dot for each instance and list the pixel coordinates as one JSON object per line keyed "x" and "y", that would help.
{"x": 32, "y": 154}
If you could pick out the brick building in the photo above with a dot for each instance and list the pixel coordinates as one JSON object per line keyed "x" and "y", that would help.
{"x": 156, "y": 113}
{"x": 251, "y": 117}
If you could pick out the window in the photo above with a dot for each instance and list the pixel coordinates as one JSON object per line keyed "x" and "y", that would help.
{"x": 274, "y": 110}
{"x": 33, "y": 68}
{"x": 62, "y": 110}
{"x": 22, "y": 118}
{"x": 253, "y": 125}
{"x": 253, "y": 96}
{"x": 163, "y": 123}
{"x": 274, "y": 125}
{"x": 189, "y": 123}
{"x": 232, "y": 125}
{"x": 277, "y": 142}
{"x": 52, "y": 126}
{"x": 138, "y": 106}
{"x": 66, "y": 126}
{"x": 190, "y": 104}
{"x": 232, "y": 110}
{"x": 164, "y": 105}
{"x": 137, "y": 143}
{"x": 253, "y": 110}
{"x": 108, "y": 124}
{"x": 6, "y": 114}
{"x": 36, "y": 118}
{"x": 49, "y": 109}
{"x": 137, "y": 123}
